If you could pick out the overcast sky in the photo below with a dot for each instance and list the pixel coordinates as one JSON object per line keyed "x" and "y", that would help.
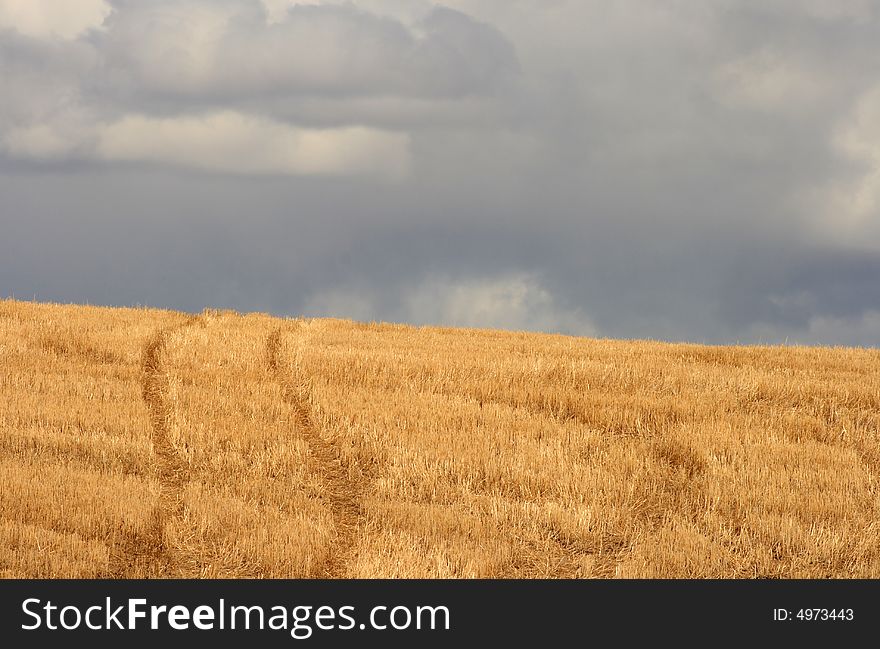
{"x": 700, "y": 170}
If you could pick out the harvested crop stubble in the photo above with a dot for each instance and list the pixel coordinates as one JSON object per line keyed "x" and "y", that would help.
{"x": 261, "y": 447}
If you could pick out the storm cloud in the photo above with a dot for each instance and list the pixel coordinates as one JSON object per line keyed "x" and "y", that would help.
{"x": 704, "y": 171}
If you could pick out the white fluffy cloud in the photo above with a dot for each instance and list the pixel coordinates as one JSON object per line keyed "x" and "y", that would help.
{"x": 855, "y": 10}
{"x": 226, "y": 142}
{"x": 410, "y": 12}
{"x": 768, "y": 80}
{"x": 821, "y": 330}
{"x": 847, "y": 208}
{"x": 236, "y": 143}
{"x": 236, "y": 86}
{"x": 53, "y": 18}
{"x": 515, "y": 301}
{"x": 228, "y": 50}
{"x": 837, "y": 330}
{"x": 47, "y": 141}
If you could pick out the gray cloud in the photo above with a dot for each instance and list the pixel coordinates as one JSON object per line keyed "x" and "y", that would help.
{"x": 226, "y": 51}
{"x": 699, "y": 170}
{"x": 515, "y": 301}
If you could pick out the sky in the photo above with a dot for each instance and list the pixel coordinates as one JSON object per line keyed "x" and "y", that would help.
{"x": 687, "y": 170}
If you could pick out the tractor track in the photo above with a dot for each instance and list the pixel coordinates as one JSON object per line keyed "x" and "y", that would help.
{"x": 345, "y": 484}
{"x": 145, "y": 552}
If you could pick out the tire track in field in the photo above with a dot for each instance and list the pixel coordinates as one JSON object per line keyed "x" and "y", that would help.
{"x": 145, "y": 553}
{"x": 344, "y": 485}
{"x": 679, "y": 481}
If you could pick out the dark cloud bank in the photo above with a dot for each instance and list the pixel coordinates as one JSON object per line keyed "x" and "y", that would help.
{"x": 704, "y": 171}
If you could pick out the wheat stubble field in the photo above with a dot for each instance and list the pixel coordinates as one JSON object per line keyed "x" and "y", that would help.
{"x": 148, "y": 443}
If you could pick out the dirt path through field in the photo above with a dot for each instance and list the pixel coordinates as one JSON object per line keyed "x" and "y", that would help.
{"x": 344, "y": 485}
{"x": 145, "y": 553}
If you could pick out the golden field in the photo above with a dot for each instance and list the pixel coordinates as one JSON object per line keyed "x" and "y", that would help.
{"x": 148, "y": 443}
